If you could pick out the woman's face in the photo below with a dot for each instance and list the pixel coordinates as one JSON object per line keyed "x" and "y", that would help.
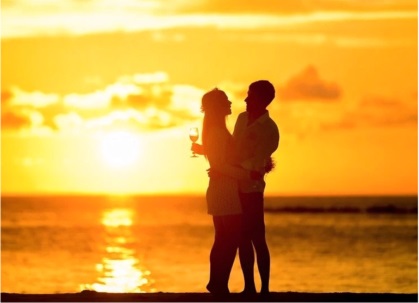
{"x": 224, "y": 105}
{"x": 252, "y": 102}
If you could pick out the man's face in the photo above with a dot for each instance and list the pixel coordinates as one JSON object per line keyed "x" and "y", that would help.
{"x": 252, "y": 102}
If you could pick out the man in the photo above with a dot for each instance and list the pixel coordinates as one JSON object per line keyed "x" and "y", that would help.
{"x": 257, "y": 137}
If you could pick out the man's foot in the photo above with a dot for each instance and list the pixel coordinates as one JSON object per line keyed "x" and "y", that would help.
{"x": 249, "y": 293}
{"x": 264, "y": 294}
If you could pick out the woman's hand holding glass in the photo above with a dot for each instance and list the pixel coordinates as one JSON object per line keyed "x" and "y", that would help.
{"x": 193, "y": 135}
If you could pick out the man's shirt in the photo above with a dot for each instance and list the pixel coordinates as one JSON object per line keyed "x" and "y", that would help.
{"x": 255, "y": 144}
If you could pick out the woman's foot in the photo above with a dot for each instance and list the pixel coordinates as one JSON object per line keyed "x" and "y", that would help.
{"x": 217, "y": 290}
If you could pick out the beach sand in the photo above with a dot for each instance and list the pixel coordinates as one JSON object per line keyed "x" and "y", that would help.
{"x": 92, "y": 296}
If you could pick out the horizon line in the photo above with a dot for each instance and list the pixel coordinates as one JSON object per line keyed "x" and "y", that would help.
{"x": 176, "y": 194}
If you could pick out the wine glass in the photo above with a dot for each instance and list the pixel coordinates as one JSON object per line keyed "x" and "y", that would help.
{"x": 193, "y": 135}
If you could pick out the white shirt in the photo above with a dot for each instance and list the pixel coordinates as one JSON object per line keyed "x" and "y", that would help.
{"x": 255, "y": 144}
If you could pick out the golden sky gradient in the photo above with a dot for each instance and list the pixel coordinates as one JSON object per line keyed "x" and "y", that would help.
{"x": 98, "y": 96}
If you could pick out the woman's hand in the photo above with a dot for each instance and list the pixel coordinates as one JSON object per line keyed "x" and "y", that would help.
{"x": 197, "y": 149}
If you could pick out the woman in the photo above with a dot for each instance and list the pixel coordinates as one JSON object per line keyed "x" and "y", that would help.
{"x": 222, "y": 193}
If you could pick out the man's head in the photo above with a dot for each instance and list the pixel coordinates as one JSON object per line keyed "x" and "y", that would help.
{"x": 259, "y": 96}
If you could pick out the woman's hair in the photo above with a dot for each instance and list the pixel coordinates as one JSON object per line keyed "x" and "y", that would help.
{"x": 211, "y": 101}
{"x": 213, "y": 116}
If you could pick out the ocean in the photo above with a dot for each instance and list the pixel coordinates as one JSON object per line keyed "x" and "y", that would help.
{"x": 64, "y": 244}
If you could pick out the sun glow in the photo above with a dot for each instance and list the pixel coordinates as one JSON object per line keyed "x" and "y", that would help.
{"x": 120, "y": 149}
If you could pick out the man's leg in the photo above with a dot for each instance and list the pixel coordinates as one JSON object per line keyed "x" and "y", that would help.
{"x": 263, "y": 261}
{"x": 259, "y": 242}
{"x": 247, "y": 260}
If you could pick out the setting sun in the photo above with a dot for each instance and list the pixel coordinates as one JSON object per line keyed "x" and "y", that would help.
{"x": 120, "y": 149}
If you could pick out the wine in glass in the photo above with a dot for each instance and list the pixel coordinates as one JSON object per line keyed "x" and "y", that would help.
{"x": 193, "y": 135}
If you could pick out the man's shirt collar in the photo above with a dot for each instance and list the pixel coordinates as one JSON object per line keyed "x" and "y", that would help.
{"x": 261, "y": 119}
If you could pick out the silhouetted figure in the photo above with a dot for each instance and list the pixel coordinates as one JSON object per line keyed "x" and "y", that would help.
{"x": 257, "y": 137}
{"x": 222, "y": 195}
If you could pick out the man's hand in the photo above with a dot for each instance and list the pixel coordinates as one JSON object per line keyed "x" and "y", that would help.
{"x": 197, "y": 149}
{"x": 255, "y": 175}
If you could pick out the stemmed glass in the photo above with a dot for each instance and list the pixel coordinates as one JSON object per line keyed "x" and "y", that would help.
{"x": 193, "y": 135}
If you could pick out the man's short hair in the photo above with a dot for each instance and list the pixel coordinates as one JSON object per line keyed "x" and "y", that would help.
{"x": 264, "y": 90}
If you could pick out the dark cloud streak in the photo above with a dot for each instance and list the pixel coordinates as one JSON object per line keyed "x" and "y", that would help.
{"x": 308, "y": 85}
{"x": 298, "y": 6}
{"x": 10, "y": 120}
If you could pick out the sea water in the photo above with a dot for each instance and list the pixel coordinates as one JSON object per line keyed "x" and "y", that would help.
{"x": 61, "y": 244}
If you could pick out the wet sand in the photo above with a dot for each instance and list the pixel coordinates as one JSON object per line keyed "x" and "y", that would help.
{"x": 92, "y": 296}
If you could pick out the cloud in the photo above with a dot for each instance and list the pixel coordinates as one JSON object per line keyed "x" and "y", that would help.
{"x": 20, "y": 109}
{"x": 300, "y": 6}
{"x": 151, "y": 102}
{"x": 6, "y": 96}
{"x": 25, "y": 119}
{"x": 151, "y": 119}
{"x": 142, "y": 101}
{"x": 156, "y": 95}
{"x": 317, "y": 39}
{"x": 68, "y": 121}
{"x": 378, "y": 110}
{"x": 307, "y": 85}
{"x": 305, "y": 118}
{"x": 206, "y": 6}
{"x": 10, "y": 120}
{"x": 29, "y": 18}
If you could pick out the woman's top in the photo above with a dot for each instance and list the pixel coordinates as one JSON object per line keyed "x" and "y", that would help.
{"x": 223, "y": 192}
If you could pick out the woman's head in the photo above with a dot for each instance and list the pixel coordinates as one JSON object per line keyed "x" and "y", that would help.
{"x": 215, "y": 106}
{"x": 215, "y": 102}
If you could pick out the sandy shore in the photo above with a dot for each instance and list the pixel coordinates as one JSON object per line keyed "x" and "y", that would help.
{"x": 91, "y": 296}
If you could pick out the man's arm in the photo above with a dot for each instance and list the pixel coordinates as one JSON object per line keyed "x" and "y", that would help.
{"x": 254, "y": 175}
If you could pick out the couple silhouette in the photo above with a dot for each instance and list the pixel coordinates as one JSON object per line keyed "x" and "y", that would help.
{"x": 238, "y": 163}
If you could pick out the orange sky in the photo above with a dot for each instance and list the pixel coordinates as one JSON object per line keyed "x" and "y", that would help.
{"x": 98, "y": 96}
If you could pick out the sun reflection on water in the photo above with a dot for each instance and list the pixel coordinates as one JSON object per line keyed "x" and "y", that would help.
{"x": 120, "y": 271}
{"x": 117, "y": 217}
